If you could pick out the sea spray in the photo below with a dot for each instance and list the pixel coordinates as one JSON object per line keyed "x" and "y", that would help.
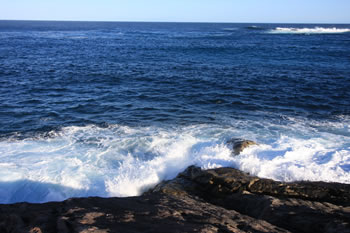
{"x": 125, "y": 161}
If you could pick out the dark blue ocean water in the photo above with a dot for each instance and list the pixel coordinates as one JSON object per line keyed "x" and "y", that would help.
{"x": 100, "y": 94}
{"x": 56, "y": 74}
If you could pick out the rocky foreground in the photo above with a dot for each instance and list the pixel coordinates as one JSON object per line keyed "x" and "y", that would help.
{"x": 218, "y": 200}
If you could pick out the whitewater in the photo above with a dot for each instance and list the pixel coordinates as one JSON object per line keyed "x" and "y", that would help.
{"x": 315, "y": 30}
{"x": 126, "y": 161}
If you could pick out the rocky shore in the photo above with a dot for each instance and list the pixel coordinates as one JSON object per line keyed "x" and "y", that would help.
{"x": 217, "y": 200}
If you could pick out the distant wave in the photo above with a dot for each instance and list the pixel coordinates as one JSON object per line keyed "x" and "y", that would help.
{"x": 316, "y": 30}
{"x": 63, "y": 35}
{"x": 230, "y": 29}
{"x": 254, "y": 27}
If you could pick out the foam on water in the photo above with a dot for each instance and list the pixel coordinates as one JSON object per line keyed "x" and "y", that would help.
{"x": 316, "y": 30}
{"x": 85, "y": 161}
{"x": 125, "y": 161}
{"x": 230, "y": 29}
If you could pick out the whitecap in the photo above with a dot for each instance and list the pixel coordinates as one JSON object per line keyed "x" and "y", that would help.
{"x": 230, "y": 29}
{"x": 315, "y": 30}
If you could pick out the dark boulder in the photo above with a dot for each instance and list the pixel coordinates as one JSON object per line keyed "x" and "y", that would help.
{"x": 238, "y": 144}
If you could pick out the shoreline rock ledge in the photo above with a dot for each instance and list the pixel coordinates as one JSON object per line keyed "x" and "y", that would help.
{"x": 216, "y": 200}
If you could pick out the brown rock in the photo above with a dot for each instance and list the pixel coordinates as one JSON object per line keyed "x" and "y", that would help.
{"x": 296, "y": 207}
{"x": 156, "y": 212}
{"x": 35, "y": 230}
{"x": 238, "y": 145}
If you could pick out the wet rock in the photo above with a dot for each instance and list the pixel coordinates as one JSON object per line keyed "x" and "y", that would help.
{"x": 238, "y": 144}
{"x": 296, "y": 207}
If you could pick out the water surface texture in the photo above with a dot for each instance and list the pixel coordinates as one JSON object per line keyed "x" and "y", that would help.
{"x": 111, "y": 109}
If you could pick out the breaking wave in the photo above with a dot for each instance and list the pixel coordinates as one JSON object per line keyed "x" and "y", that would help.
{"x": 125, "y": 161}
{"x": 316, "y": 30}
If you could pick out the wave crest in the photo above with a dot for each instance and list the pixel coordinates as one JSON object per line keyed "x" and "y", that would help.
{"x": 316, "y": 30}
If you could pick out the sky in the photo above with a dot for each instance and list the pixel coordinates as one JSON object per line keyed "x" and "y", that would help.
{"x": 250, "y": 11}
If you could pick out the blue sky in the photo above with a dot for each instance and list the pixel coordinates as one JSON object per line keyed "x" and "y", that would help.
{"x": 273, "y": 11}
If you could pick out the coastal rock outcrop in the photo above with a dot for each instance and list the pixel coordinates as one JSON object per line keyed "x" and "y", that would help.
{"x": 296, "y": 207}
{"x": 216, "y": 200}
{"x": 238, "y": 145}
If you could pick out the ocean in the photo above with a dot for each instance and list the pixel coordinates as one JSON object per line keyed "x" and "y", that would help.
{"x": 111, "y": 109}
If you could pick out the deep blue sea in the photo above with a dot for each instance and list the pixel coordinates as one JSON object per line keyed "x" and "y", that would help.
{"x": 111, "y": 109}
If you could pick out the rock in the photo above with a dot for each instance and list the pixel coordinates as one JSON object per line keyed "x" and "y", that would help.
{"x": 156, "y": 212}
{"x": 296, "y": 207}
{"x": 238, "y": 145}
{"x": 216, "y": 200}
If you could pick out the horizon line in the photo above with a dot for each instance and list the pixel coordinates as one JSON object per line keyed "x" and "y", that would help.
{"x": 151, "y": 21}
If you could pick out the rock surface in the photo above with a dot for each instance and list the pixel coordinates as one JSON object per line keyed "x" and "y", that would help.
{"x": 238, "y": 145}
{"x": 217, "y": 200}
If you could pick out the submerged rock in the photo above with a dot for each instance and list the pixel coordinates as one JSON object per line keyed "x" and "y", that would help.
{"x": 238, "y": 144}
{"x": 216, "y": 200}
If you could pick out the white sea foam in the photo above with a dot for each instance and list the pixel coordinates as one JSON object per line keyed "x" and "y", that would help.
{"x": 315, "y": 30}
{"x": 125, "y": 161}
{"x": 230, "y": 29}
